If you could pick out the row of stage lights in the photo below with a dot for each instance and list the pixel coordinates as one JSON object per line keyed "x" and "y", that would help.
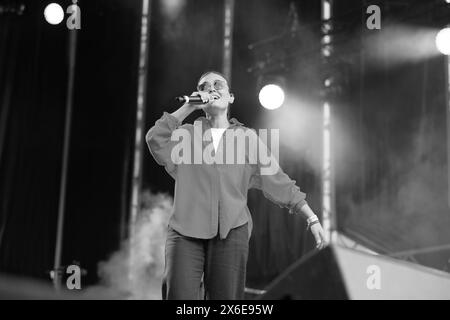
{"x": 271, "y": 96}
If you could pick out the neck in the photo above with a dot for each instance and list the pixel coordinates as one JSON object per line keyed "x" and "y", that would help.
{"x": 218, "y": 121}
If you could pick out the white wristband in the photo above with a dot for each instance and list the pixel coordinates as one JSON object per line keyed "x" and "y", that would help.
{"x": 312, "y": 219}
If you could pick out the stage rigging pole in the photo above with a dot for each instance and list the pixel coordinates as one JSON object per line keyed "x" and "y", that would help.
{"x": 140, "y": 127}
{"x": 228, "y": 39}
{"x": 65, "y": 159}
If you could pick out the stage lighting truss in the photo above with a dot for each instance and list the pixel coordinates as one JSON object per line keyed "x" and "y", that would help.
{"x": 273, "y": 54}
{"x": 279, "y": 54}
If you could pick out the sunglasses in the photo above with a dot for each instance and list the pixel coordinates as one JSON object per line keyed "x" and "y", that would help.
{"x": 206, "y": 86}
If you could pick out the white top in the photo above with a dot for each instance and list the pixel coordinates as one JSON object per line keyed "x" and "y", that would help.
{"x": 216, "y": 134}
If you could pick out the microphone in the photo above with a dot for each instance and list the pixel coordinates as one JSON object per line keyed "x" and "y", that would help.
{"x": 193, "y": 99}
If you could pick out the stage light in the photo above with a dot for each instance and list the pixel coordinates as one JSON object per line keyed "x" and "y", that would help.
{"x": 53, "y": 13}
{"x": 327, "y": 27}
{"x": 443, "y": 41}
{"x": 326, "y": 10}
{"x": 172, "y": 8}
{"x": 271, "y": 96}
{"x": 326, "y": 39}
{"x": 327, "y": 50}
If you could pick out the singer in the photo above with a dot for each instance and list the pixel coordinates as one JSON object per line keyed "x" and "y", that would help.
{"x": 210, "y": 225}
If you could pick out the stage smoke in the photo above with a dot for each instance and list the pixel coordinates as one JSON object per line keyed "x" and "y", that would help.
{"x": 142, "y": 278}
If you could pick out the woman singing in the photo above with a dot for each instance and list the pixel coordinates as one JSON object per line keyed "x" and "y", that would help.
{"x": 210, "y": 225}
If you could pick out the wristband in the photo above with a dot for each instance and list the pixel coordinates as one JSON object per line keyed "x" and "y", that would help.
{"x": 312, "y": 220}
{"x": 312, "y": 223}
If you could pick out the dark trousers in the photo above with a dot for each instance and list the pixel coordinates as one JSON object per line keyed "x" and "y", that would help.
{"x": 221, "y": 263}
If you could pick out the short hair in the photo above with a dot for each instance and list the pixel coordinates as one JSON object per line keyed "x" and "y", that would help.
{"x": 215, "y": 72}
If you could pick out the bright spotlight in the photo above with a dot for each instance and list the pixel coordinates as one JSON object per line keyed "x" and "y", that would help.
{"x": 172, "y": 8}
{"x": 54, "y": 13}
{"x": 443, "y": 41}
{"x": 271, "y": 96}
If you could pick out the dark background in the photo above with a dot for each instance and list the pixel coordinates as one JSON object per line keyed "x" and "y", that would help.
{"x": 390, "y": 127}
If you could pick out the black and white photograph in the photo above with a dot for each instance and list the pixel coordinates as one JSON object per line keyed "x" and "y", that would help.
{"x": 241, "y": 152}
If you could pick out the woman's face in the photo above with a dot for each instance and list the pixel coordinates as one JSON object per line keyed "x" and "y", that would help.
{"x": 216, "y": 86}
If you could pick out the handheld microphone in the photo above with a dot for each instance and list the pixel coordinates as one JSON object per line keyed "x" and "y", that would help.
{"x": 193, "y": 99}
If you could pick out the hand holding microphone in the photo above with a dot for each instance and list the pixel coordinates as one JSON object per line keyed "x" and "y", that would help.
{"x": 198, "y": 100}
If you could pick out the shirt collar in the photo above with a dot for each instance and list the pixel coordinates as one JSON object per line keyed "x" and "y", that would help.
{"x": 233, "y": 121}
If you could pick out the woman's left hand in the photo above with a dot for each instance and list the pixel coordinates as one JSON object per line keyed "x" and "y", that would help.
{"x": 319, "y": 235}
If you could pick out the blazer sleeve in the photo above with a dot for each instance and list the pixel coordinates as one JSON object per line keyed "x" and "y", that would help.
{"x": 276, "y": 185}
{"x": 159, "y": 142}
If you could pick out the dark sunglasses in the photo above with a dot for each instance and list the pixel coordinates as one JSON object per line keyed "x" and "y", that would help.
{"x": 206, "y": 86}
